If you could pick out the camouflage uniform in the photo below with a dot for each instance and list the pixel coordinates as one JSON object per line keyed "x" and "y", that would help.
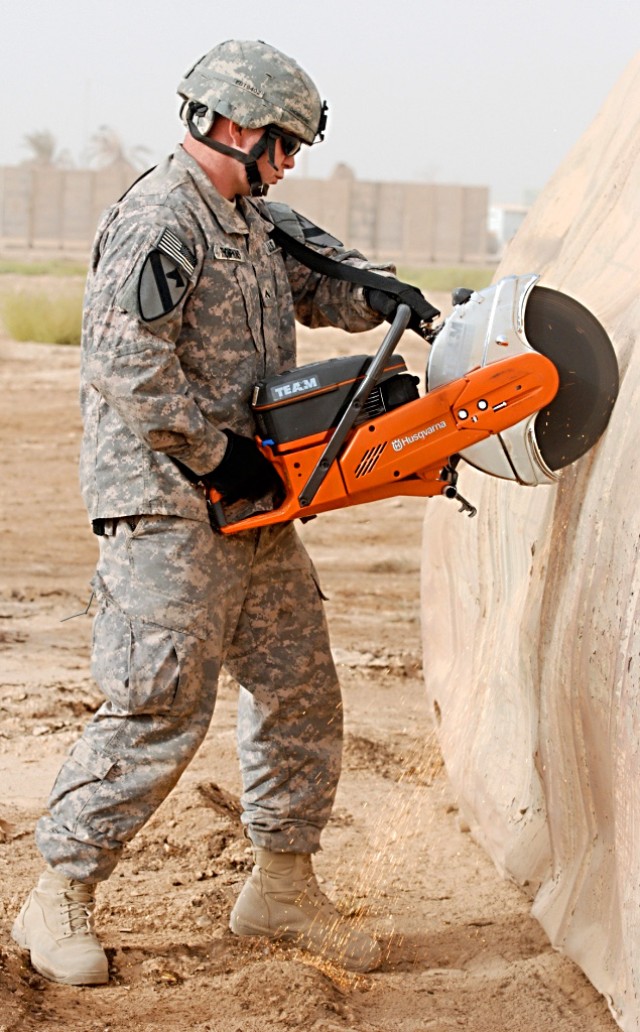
{"x": 188, "y": 305}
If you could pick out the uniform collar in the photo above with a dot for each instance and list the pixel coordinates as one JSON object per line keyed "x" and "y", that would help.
{"x": 252, "y": 210}
{"x": 230, "y": 220}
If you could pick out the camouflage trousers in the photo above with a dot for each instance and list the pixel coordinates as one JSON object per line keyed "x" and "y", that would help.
{"x": 176, "y": 602}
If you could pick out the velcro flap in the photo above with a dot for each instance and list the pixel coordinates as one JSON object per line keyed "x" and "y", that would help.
{"x": 97, "y": 763}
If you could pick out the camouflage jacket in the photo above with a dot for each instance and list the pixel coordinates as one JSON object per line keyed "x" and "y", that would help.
{"x": 188, "y": 304}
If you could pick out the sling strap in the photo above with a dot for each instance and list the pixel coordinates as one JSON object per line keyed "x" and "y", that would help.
{"x": 404, "y": 292}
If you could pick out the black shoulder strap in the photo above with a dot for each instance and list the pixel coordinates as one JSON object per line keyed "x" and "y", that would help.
{"x": 136, "y": 181}
{"x": 424, "y": 312}
{"x": 330, "y": 267}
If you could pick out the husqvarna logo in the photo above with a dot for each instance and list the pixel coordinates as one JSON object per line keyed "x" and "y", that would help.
{"x": 402, "y": 442}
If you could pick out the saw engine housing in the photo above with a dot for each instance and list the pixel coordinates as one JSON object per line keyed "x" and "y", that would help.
{"x": 311, "y": 399}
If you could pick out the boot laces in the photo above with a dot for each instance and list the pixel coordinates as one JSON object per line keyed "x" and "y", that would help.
{"x": 76, "y": 906}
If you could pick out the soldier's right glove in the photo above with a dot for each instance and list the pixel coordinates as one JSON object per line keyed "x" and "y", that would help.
{"x": 243, "y": 472}
{"x": 422, "y": 312}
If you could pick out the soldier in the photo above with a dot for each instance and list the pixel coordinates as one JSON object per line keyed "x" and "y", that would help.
{"x": 189, "y": 303}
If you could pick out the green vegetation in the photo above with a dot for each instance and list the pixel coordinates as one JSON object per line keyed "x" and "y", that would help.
{"x": 48, "y": 267}
{"x": 44, "y": 317}
{"x": 448, "y": 278}
{"x": 54, "y": 316}
{"x": 436, "y": 278}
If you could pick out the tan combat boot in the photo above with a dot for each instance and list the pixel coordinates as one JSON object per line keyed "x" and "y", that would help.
{"x": 56, "y": 926}
{"x": 282, "y": 900}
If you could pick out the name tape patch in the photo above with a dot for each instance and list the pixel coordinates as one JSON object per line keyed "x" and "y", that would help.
{"x": 226, "y": 253}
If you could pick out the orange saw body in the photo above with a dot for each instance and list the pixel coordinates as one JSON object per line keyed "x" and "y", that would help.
{"x": 521, "y": 381}
{"x": 406, "y": 451}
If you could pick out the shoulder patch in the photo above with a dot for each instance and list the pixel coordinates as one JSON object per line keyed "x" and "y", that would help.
{"x": 164, "y": 277}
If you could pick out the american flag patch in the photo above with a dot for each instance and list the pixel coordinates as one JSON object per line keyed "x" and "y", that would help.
{"x": 172, "y": 246}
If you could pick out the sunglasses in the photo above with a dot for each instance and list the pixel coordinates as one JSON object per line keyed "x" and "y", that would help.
{"x": 290, "y": 144}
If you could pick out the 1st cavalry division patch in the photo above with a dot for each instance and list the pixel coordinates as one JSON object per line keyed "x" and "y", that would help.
{"x": 164, "y": 277}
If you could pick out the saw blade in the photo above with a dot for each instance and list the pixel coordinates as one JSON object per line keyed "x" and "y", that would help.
{"x": 563, "y": 330}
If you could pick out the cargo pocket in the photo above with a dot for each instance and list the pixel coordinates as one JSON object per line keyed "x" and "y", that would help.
{"x": 92, "y": 761}
{"x": 144, "y": 668}
{"x": 87, "y": 798}
{"x": 86, "y": 771}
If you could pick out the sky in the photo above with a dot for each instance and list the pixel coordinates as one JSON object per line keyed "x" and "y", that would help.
{"x": 491, "y": 93}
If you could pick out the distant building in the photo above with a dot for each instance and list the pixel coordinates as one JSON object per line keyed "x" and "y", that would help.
{"x": 43, "y": 207}
{"x": 410, "y": 223}
{"x": 504, "y": 222}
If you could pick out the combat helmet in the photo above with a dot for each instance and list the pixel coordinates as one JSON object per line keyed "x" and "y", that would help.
{"x": 254, "y": 85}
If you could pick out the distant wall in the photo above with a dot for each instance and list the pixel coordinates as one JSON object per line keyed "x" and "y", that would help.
{"x": 56, "y": 209}
{"x": 49, "y": 208}
{"x": 411, "y": 223}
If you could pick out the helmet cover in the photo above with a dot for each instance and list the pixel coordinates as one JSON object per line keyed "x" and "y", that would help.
{"x": 254, "y": 85}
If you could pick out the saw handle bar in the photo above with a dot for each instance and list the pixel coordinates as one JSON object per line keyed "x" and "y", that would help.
{"x": 346, "y": 422}
{"x": 354, "y": 408}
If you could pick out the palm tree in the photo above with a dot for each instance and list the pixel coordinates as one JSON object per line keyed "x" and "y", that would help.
{"x": 43, "y": 147}
{"x": 107, "y": 148}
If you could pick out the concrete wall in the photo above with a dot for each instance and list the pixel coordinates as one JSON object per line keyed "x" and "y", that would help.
{"x": 531, "y": 621}
{"x": 412, "y": 223}
{"x": 48, "y": 208}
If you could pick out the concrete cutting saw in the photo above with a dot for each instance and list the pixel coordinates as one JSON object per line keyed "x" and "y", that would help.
{"x": 521, "y": 381}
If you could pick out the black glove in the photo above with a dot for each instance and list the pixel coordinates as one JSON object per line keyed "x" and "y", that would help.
{"x": 387, "y": 304}
{"x": 243, "y": 472}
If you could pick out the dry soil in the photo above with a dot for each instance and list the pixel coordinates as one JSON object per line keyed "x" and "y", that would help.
{"x": 461, "y": 950}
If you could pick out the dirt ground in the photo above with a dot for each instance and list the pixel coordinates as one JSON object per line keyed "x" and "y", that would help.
{"x": 460, "y": 948}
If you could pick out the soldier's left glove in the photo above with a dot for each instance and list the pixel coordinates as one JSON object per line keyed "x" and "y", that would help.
{"x": 422, "y": 313}
{"x": 243, "y": 472}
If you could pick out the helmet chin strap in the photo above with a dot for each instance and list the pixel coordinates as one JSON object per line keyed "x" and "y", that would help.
{"x": 250, "y": 160}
